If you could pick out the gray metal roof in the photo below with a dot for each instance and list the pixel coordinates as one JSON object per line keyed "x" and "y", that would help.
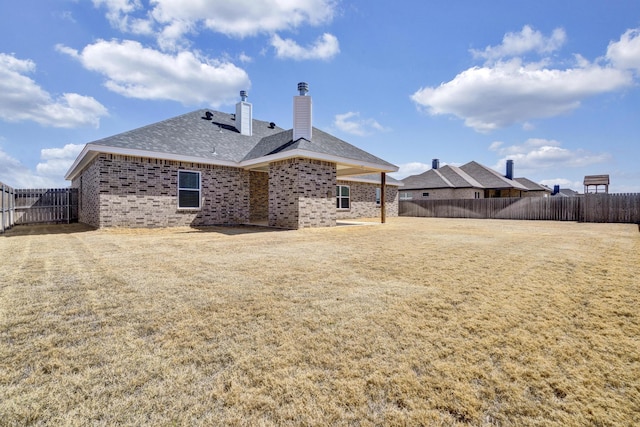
{"x": 216, "y": 138}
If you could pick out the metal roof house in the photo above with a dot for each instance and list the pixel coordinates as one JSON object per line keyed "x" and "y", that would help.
{"x": 214, "y": 168}
{"x": 469, "y": 181}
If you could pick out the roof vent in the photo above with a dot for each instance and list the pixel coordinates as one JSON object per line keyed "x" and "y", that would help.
{"x": 272, "y": 125}
{"x": 243, "y": 95}
{"x": 208, "y": 115}
{"x": 303, "y": 88}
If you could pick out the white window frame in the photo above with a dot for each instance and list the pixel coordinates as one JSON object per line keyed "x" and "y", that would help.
{"x": 340, "y": 197}
{"x": 199, "y": 190}
{"x": 406, "y": 195}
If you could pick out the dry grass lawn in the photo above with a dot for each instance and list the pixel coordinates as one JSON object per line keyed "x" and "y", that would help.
{"x": 415, "y": 322}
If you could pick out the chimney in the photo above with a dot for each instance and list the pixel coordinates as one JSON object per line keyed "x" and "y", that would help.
{"x": 435, "y": 163}
{"x": 244, "y": 112}
{"x": 509, "y": 174}
{"x": 302, "y": 107}
{"x": 556, "y": 190}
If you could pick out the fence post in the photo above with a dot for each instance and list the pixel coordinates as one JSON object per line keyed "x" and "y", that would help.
{"x": 2, "y": 208}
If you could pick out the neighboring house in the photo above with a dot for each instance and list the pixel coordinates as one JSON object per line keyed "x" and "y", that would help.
{"x": 469, "y": 181}
{"x": 533, "y": 189}
{"x": 214, "y": 168}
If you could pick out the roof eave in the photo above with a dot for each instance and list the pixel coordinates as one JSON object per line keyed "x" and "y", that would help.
{"x": 90, "y": 151}
{"x": 295, "y": 153}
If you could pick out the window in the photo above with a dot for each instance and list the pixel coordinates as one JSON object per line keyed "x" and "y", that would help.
{"x": 188, "y": 190}
{"x": 378, "y": 196}
{"x": 425, "y": 194}
{"x": 406, "y": 195}
{"x": 342, "y": 197}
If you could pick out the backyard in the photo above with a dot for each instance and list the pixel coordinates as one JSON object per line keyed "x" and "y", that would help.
{"x": 419, "y": 321}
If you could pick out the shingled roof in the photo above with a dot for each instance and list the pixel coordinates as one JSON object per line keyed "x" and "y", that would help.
{"x": 211, "y": 137}
{"x": 470, "y": 175}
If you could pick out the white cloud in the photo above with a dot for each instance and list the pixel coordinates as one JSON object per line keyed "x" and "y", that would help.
{"x": 538, "y": 154}
{"x": 508, "y": 90}
{"x": 625, "y": 53}
{"x": 411, "y": 168}
{"x": 493, "y": 97}
{"x": 324, "y": 48}
{"x": 24, "y": 100}
{"x": 527, "y": 40}
{"x": 135, "y": 71}
{"x": 171, "y": 20}
{"x": 49, "y": 172}
{"x": 563, "y": 183}
{"x": 352, "y": 123}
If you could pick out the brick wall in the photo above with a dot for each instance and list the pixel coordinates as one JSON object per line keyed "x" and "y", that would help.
{"x": 142, "y": 192}
{"x": 88, "y": 185}
{"x": 259, "y": 196}
{"x": 363, "y": 201}
{"x": 302, "y": 194}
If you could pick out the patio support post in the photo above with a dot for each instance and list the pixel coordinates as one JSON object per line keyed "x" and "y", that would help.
{"x": 383, "y": 185}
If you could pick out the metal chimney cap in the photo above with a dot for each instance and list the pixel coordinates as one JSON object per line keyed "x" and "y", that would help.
{"x": 243, "y": 95}
{"x": 303, "y": 87}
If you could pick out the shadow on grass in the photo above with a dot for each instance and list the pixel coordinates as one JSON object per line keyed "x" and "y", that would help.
{"x": 41, "y": 229}
{"x": 234, "y": 230}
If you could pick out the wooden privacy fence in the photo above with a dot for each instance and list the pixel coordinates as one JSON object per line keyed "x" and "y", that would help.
{"x": 57, "y": 205}
{"x": 7, "y": 207}
{"x": 588, "y": 208}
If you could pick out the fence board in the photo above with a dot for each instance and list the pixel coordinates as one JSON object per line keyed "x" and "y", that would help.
{"x": 7, "y": 207}
{"x": 57, "y": 205}
{"x": 623, "y": 208}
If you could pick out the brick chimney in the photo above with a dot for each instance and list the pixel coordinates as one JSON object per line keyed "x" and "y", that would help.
{"x": 302, "y": 108}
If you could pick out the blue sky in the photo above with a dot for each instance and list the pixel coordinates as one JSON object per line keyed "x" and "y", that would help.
{"x": 553, "y": 85}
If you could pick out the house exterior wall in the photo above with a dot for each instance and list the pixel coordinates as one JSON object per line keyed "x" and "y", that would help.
{"x": 302, "y": 193}
{"x": 363, "y": 201}
{"x": 445, "y": 193}
{"x": 88, "y": 185}
{"x": 259, "y": 196}
{"x": 124, "y": 191}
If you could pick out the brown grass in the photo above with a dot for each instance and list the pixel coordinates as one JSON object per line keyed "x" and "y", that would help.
{"x": 415, "y": 322}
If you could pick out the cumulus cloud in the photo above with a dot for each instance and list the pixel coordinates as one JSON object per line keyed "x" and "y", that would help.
{"x": 24, "y": 100}
{"x": 538, "y": 154}
{"x": 527, "y": 40}
{"x": 507, "y": 90}
{"x": 135, "y": 71}
{"x": 171, "y": 20}
{"x": 55, "y": 162}
{"x": 324, "y": 48}
{"x": 625, "y": 53}
{"x": 49, "y": 173}
{"x": 411, "y": 168}
{"x": 352, "y": 123}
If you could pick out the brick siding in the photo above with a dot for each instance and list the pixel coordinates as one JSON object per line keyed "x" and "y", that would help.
{"x": 363, "y": 201}
{"x": 302, "y": 194}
